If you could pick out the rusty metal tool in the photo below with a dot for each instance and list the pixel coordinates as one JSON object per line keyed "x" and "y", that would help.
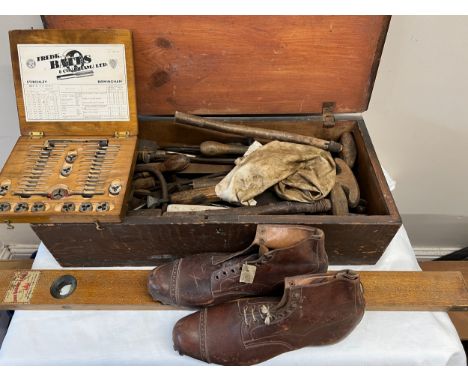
{"x": 171, "y": 163}
{"x": 349, "y": 151}
{"x": 187, "y": 149}
{"x": 177, "y": 184}
{"x": 227, "y": 161}
{"x": 205, "y": 168}
{"x": 147, "y": 183}
{"x": 255, "y": 132}
{"x": 154, "y": 156}
{"x": 345, "y": 193}
{"x": 339, "y": 201}
{"x": 147, "y": 156}
{"x": 281, "y": 208}
{"x": 347, "y": 180}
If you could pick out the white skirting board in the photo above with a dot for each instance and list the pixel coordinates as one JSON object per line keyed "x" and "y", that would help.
{"x": 17, "y": 251}
{"x": 431, "y": 253}
{"x": 21, "y": 251}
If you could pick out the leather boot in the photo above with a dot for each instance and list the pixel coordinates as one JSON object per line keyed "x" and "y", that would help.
{"x": 314, "y": 310}
{"x": 277, "y": 251}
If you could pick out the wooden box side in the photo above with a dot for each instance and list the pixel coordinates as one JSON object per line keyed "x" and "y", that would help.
{"x": 248, "y": 64}
{"x": 148, "y": 244}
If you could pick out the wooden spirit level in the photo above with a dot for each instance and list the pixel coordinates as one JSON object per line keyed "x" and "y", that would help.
{"x": 127, "y": 290}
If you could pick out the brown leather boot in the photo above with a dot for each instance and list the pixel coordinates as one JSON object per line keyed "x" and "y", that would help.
{"x": 277, "y": 251}
{"x": 314, "y": 310}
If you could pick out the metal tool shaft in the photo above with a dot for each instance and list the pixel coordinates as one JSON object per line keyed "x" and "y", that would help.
{"x": 255, "y": 132}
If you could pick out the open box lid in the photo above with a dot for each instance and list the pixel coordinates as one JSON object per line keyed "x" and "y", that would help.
{"x": 71, "y": 82}
{"x": 248, "y": 64}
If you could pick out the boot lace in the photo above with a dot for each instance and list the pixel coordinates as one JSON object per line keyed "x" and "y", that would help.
{"x": 236, "y": 268}
{"x": 268, "y": 313}
{"x": 263, "y": 259}
{"x": 258, "y": 313}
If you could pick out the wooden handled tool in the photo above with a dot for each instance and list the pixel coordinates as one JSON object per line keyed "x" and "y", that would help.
{"x": 213, "y": 149}
{"x": 154, "y": 156}
{"x": 281, "y": 208}
{"x": 207, "y": 181}
{"x": 255, "y": 132}
{"x": 195, "y": 196}
{"x": 345, "y": 193}
{"x": 171, "y": 163}
{"x": 144, "y": 183}
{"x": 349, "y": 151}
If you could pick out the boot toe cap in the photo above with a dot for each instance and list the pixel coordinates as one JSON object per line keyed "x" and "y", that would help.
{"x": 186, "y": 336}
{"x": 159, "y": 283}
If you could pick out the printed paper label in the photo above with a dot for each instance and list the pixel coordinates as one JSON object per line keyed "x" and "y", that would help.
{"x": 21, "y": 287}
{"x": 74, "y": 82}
{"x": 248, "y": 273}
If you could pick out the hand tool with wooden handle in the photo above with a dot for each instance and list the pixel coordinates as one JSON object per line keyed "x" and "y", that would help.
{"x": 345, "y": 193}
{"x": 347, "y": 180}
{"x": 196, "y": 196}
{"x": 281, "y": 208}
{"x": 349, "y": 151}
{"x": 213, "y": 149}
{"x": 158, "y": 155}
{"x": 193, "y": 120}
{"x": 171, "y": 163}
{"x": 146, "y": 183}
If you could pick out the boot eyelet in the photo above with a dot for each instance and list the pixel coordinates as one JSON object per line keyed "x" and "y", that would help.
{"x": 217, "y": 277}
{"x": 233, "y": 270}
{"x": 224, "y": 273}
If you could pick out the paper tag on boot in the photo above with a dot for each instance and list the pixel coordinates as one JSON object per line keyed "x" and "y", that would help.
{"x": 248, "y": 273}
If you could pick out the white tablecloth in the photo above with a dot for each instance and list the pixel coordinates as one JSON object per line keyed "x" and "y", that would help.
{"x": 144, "y": 337}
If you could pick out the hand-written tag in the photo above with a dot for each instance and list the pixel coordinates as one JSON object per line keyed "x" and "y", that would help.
{"x": 248, "y": 273}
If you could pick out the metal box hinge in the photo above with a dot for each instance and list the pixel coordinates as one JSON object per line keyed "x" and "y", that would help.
{"x": 122, "y": 134}
{"x": 36, "y": 134}
{"x": 327, "y": 114}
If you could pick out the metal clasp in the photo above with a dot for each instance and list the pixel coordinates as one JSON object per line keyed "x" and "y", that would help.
{"x": 36, "y": 134}
{"x": 327, "y": 114}
{"x": 121, "y": 134}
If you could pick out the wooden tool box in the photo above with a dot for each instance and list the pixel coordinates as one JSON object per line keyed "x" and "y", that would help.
{"x": 298, "y": 74}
